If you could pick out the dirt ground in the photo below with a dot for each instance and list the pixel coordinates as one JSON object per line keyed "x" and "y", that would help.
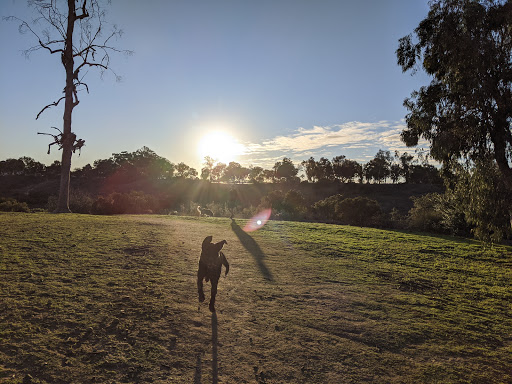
{"x": 252, "y": 337}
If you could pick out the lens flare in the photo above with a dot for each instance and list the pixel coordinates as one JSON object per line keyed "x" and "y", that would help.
{"x": 258, "y": 221}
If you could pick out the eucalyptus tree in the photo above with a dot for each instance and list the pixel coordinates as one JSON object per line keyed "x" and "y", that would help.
{"x": 466, "y": 110}
{"x": 75, "y": 32}
{"x": 465, "y": 113}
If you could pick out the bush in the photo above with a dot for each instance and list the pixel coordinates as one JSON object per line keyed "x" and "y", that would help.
{"x": 294, "y": 205}
{"x": 398, "y": 220}
{"x": 425, "y": 215}
{"x": 353, "y": 211}
{"x": 12, "y": 205}
{"x": 289, "y": 206}
{"x": 79, "y": 202}
{"x": 325, "y": 209}
{"x": 119, "y": 203}
{"x": 360, "y": 211}
{"x": 102, "y": 206}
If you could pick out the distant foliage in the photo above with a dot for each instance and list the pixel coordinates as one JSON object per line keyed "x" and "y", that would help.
{"x": 145, "y": 164}
{"x": 291, "y": 205}
{"x": 294, "y": 205}
{"x": 425, "y": 215}
{"x": 115, "y": 203}
{"x": 360, "y": 211}
{"x": 325, "y": 210}
{"x": 22, "y": 166}
{"x": 12, "y": 205}
{"x": 79, "y": 202}
{"x": 122, "y": 203}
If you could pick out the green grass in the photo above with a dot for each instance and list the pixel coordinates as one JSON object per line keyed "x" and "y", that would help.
{"x": 94, "y": 299}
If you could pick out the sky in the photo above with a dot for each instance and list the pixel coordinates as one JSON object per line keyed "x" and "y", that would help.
{"x": 294, "y": 78}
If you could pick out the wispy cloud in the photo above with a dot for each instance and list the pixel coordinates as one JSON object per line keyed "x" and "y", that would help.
{"x": 356, "y": 140}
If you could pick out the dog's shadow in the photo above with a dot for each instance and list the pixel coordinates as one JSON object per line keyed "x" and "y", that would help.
{"x": 253, "y": 248}
{"x": 215, "y": 356}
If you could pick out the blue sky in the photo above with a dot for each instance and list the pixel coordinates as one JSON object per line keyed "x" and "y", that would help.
{"x": 295, "y": 78}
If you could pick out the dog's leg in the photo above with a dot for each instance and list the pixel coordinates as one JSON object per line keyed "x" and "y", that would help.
{"x": 200, "y": 275}
{"x": 224, "y": 262}
{"x": 214, "y": 281}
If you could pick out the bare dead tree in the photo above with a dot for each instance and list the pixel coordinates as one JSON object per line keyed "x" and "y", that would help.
{"x": 73, "y": 29}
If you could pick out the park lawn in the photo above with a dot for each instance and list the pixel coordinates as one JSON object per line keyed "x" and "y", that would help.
{"x": 96, "y": 299}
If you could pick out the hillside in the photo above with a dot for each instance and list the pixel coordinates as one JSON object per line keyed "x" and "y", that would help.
{"x": 36, "y": 190}
{"x": 94, "y": 299}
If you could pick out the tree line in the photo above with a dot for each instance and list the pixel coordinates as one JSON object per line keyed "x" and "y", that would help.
{"x": 145, "y": 163}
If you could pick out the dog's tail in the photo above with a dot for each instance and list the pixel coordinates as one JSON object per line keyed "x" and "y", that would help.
{"x": 224, "y": 261}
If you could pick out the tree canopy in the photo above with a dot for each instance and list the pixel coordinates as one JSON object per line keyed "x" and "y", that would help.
{"x": 466, "y": 110}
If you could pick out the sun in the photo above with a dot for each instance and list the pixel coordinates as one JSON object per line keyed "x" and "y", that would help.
{"x": 220, "y": 146}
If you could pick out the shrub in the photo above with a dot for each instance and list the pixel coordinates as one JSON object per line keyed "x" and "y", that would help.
{"x": 354, "y": 211}
{"x": 102, "y": 206}
{"x": 294, "y": 205}
{"x": 326, "y": 209}
{"x": 398, "y": 220}
{"x": 360, "y": 211}
{"x": 453, "y": 216}
{"x": 119, "y": 203}
{"x": 12, "y": 205}
{"x": 79, "y": 202}
{"x": 425, "y": 215}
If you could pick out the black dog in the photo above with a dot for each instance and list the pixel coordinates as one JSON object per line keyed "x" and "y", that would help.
{"x": 210, "y": 265}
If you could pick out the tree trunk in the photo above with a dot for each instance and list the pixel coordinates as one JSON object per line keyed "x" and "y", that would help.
{"x": 67, "y": 138}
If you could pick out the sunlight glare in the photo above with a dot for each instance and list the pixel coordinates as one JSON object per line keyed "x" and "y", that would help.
{"x": 220, "y": 146}
{"x": 258, "y": 221}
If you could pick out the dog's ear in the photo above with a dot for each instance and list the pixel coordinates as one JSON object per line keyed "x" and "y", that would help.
{"x": 207, "y": 241}
{"x": 219, "y": 245}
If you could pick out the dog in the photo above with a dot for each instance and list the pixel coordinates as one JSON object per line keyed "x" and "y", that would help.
{"x": 210, "y": 265}
{"x": 204, "y": 211}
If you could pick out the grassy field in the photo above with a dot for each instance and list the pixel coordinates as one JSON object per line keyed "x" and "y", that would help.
{"x": 94, "y": 299}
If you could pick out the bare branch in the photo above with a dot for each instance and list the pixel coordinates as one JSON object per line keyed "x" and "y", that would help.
{"x": 57, "y": 139}
{"x": 84, "y": 12}
{"x": 23, "y": 27}
{"x": 54, "y": 104}
{"x": 49, "y": 49}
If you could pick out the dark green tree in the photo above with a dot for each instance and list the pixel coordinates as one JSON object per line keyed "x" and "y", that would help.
{"x": 310, "y": 168}
{"x": 465, "y": 113}
{"x": 466, "y": 110}
{"x": 184, "y": 171}
{"x": 206, "y": 171}
{"x": 235, "y": 173}
{"x": 324, "y": 169}
{"x": 256, "y": 174}
{"x": 338, "y": 167}
{"x": 378, "y": 168}
{"x": 218, "y": 171}
{"x": 286, "y": 170}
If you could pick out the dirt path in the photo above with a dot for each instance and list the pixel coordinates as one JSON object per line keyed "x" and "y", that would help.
{"x": 252, "y": 337}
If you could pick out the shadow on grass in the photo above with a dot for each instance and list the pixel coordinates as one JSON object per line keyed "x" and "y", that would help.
{"x": 254, "y": 249}
{"x": 197, "y": 374}
{"x": 215, "y": 370}
{"x": 215, "y": 355}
